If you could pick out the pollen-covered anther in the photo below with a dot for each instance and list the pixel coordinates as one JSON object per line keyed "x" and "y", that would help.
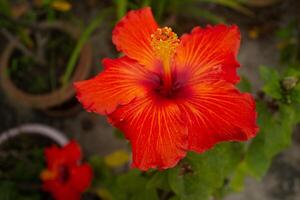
{"x": 164, "y": 42}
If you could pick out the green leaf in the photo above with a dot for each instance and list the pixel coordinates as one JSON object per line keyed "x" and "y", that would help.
{"x": 159, "y": 180}
{"x": 118, "y": 134}
{"x": 294, "y": 94}
{"x": 208, "y": 171}
{"x": 272, "y": 82}
{"x": 85, "y": 35}
{"x": 274, "y": 136}
{"x": 121, "y": 6}
{"x": 244, "y": 85}
{"x": 145, "y": 194}
{"x": 238, "y": 179}
{"x": 291, "y": 84}
{"x": 103, "y": 175}
{"x": 293, "y": 70}
{"x": 132, "y": 180}
{"x": 188, "y": 187}
{"x": 297, "y": 113}
{"x": 132, "y": 185}
{"x": 257, "y": 161}
{"x": 174, "y": 198}
{"x": 217, "y": 162}
{"x": 280, "y": 135}
{"x": 176, "y": 181}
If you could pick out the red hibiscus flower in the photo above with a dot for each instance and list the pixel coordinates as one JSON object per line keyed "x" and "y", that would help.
{"x": 171, "y": 95}
{"x": 65, "y": 177}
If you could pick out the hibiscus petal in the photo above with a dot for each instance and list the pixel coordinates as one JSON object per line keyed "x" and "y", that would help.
{"x": 52, "y": 154}
{"x": 72, "y": 152}
{"x": 56, "y": 156}
{"x": 118, "y": 84}
{"x": 132, "y": 35}
{"x": 210, "y": 53}
{"x": 81, "y": 177}
{"x": 216, "y": 112}
{"x": 156, "y": 131}
{"x": 61, "y": 191}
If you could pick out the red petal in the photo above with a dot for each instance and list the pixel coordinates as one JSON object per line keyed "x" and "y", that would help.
{"x": 217, "y": 112}
{"x": 119, "y": 84}
{"x": 69, "y": 154}
{"x": 53, "y": 156}
{"x": 81, "y": 177}
{"x": 210, "y": 53}
{"x": 72, "y": 152}
{"x": 61, "y": 191}
{"x": 156, "y": 131}
{"x": 132, "y": 35}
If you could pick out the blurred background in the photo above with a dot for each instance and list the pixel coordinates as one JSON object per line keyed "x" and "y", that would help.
{"x": 45, "y": 45}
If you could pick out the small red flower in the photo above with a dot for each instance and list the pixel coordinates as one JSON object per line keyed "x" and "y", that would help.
{"x": 171, "y": 95}
{"x": 65, "y": 177}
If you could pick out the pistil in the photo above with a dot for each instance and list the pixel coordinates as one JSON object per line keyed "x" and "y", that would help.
{"x": 164, "y": 42}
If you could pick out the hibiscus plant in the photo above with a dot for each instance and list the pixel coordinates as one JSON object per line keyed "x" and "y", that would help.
{"x": 195, "y": 128}
{"x": 177, "y": 102}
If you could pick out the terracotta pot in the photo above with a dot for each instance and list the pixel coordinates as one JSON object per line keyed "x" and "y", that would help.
{"x": 69, "y": 108}
{"x": 261, "y": 3}
{"x": 58, "y": 96}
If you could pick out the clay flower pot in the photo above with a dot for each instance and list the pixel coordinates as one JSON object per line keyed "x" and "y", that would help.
{"x": 23, "y": 157}
{"x": 35, "y": 129}
{"x": 58, "y": 96}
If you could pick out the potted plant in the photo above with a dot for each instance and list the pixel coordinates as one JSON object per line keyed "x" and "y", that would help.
{"x": 44, "y": 55}
{"x": 22, "y": 159}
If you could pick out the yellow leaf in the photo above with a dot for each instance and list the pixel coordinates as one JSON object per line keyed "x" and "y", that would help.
{"x": 104, "y": 194}
{"x": 117, "y": 158}
{"x": 61, "y": 5}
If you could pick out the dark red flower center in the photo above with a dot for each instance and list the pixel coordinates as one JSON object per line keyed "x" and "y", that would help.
{"x": 64, "y": 173}
{"x": 169, "y": 92}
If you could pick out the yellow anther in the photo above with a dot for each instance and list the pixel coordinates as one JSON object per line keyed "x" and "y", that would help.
{"x": 47, "y": 175}
{"x": 164, "y": 42}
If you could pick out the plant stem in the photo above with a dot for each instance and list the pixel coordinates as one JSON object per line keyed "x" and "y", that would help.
{"x": 121, "y": 8}
{"x": 76, "y": 52}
